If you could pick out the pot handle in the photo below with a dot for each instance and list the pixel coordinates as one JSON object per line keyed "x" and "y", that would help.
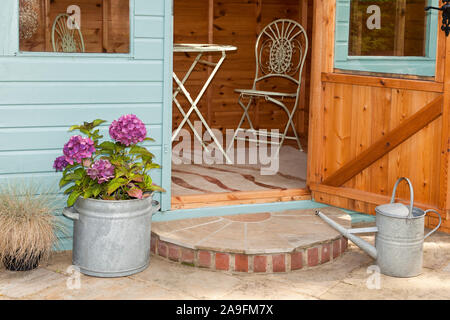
{"x": 411, "y": 192}
{"x": 71, "y": 213}
{"x": 439, "y": 224}
{"x": 155, "y": 206}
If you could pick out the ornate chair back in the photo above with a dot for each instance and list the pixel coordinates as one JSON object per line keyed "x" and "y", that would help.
{"x": 66, "y": 35}
{"x": 281, "y": 50}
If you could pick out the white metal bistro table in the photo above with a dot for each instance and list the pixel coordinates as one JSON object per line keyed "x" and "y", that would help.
{"x": 200, "y": 49}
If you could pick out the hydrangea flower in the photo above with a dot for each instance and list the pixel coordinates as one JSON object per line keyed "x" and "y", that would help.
{"x": 128, "y": 130}
{"x": 78, "y": 148}
{"x": 60, "y": 163}
{"x": 101, "y": 170}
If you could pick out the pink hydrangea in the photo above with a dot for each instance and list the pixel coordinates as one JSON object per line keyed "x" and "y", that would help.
{"x": 78, "y": 148}
{"x": 101, "y": 170}
{"x": 128, "y": 130}
{"x": 60, "y": 163}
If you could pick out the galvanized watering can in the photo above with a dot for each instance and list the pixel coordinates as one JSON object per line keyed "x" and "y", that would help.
{"x": 399, "y": 240}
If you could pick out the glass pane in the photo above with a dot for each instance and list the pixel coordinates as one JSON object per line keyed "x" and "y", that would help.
{"x": 388, "y": 28}
{"x": 92, "y": 26}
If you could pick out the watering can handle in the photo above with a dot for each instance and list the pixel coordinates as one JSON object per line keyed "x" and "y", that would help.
{"x": 439, "y": 224}
{"x": 411, "y": 192}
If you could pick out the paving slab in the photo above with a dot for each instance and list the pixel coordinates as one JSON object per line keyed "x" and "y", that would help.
{"x": 263, "y": 289}
{"x": 25, "y": 283}
{"x": 429, "y": 285}
{"x": 346, "y": 278}
{"x": 191, "y": 282}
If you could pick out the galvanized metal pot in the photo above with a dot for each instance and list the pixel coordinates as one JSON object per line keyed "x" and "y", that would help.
{"x": 399, "y": 236}
{"x": 111, "y": 238}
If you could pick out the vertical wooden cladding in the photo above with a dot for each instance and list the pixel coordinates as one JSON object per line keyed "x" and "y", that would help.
{"x": 235, "y": 22}
{"x": 350, "y": 113}
{"x": 355, "y": 117}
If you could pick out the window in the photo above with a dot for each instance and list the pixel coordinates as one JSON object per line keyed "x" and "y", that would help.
{"x": 74, "y": 26}
{"x": 386, "y": 36}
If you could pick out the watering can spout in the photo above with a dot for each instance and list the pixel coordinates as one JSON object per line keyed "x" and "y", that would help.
{"x": 350, "y": 234}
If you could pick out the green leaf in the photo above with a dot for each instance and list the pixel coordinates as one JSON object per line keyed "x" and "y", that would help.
{"x": 150, "y": 166}
{"x": 115, "y": 184}
{"x": 72, "y": 176}
{"x": 141, "y": 151}
{"x": 69, "y": 190}
{"x": 70, "y": 167}
{"x": 85, "y": 131}
{"x": 64, "y": 182}
{"x": 98, "y": 122}
{"x": 121, "y": 172}
{"x": 137, "y": 177}
{"x": 149, "y": 139}
{"x": 147, "y": 182}
{"x": 79, "y": 173}
{"x": 104, "y": 152}
{"x": 155, "y": 187}
{"x": 72, "y": 128}
{"x": 88, "y": 193}
{"x": 96, "y": 190}
{"x": 73, "y": 197}
{"x": 107, "y": 145}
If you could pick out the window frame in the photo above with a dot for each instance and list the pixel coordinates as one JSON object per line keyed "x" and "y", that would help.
{"x": 129, "y": 55}
{"x": 408, "y": 65}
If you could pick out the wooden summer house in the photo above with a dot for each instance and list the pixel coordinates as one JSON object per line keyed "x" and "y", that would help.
{"x": 373, "y": 102}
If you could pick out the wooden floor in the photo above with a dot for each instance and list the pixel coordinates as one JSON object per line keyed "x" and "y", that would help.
{"x": 240, "y": 197}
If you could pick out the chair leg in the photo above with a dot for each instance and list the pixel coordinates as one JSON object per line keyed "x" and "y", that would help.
{"x": 290, "y": 122}
{"x": 244, "y": 116}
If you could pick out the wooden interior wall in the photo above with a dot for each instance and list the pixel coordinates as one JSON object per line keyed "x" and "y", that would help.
{"x": 235, "y": 22}
{"x": 350, "y": 113}
{"x": 104, "y": 25}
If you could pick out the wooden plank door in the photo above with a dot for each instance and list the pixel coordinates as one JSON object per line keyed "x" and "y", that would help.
{"x": 367, "y": 129}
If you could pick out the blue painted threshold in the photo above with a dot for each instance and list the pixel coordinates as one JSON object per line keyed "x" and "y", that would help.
{"x": 253, "y": 208}
{"x": 236, "y": 209}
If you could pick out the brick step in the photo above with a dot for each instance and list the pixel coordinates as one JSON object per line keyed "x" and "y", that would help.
{"x": 253, "y": 243}
{"x": 301, "y": 258}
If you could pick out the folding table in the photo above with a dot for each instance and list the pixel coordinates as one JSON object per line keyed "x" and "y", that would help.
{"x": 200, "y": 49}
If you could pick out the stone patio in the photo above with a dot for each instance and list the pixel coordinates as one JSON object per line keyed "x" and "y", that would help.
{"x": 346, "y": 278}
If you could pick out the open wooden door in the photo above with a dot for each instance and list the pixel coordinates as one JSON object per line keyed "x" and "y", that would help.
{"x": 376, "y": 118}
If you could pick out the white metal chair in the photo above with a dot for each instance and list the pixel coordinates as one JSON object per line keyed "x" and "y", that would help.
{"x": 280, "y": 51}
{"x": 65, "y": 39}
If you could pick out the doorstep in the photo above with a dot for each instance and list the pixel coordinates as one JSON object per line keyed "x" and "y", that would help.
{"x": 267, "y": 242}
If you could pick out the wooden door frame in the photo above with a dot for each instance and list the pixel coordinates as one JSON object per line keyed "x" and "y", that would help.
{"x": 245, "y": 197}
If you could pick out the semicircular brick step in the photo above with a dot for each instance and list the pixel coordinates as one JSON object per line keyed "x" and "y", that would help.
{"x": 259, "y": 243}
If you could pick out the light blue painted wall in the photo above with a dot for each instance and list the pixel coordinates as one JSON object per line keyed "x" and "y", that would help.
{"x": 41, "y": 94}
